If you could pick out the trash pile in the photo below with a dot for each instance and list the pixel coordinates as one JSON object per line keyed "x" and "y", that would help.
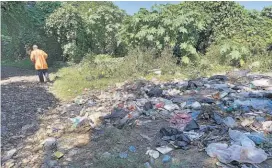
{"x": 230, "y": 120}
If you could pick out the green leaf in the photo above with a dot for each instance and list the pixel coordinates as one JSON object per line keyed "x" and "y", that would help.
{"x": 167, "y": 39}
{"x": 244, "y": 50}
{"x": 191, "y": 49}
{"x": 224, "y": 48}
{"x": 183, "y": 30}
{"x": 235, "y": 55}
{"x": 150, "y": 37}
{"x": 242, "y": 62}
{"x": 183, "y": 45}
{"x": 185, "y": 60}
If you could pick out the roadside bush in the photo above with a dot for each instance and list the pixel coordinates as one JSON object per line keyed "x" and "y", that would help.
{"x": 228, "y": 52}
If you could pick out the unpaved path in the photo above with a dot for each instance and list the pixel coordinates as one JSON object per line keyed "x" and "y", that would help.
{"x": 23, "y": 100}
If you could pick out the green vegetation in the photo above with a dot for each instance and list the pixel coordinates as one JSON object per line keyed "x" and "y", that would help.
{"x": 25, "y": 63}
{"x": 185, "y": 40}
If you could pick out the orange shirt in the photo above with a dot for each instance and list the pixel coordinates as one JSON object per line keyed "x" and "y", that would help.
{"x": 39, "y": 58}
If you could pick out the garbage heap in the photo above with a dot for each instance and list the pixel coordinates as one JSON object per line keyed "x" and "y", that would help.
{"x": 227, "y": 116}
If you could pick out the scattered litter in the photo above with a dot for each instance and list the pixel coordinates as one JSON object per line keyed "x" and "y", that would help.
{"x": 168, "y": 131}
{"x": 267, "y": 126}
{"x": 78, "y": 121}
{"x": 196, "y": 106}
{"x": 171, "y": 107}
{"x": 116, "y": 113}
{"x": 192, "y": 125}
{"x": 58, "y": 154}
{"x": 195, "y": 114}
{"x": 146, "y": 137}
{"x": 139, "y": 122}
{"x": 123, "y": 155}
{"x": 200, "y": 112}
{"x": 230, "y": 122}
{"x": 240, "y": 138}
{"x": 180, "y": 120}
{"x": 154, "y": 154}
{"x": 147, "y": 165}
{"x": 237, "y": 153}
{"x": 148, "y": 106}
{"x": 155, "y": 92}
{"x": 247, "y": 122}
{"x": 180, "y": 144}
{"x": 193, "y": 135}
{"x": 262, "y": 82}
{"x": 257, "y": 138}
{"x": 159, "y": 105}
{"x": 166, "y": 158}
{"x": 164, "y": 149}
{"x": 217, "y": 118}
{"x": 132, "y": 149}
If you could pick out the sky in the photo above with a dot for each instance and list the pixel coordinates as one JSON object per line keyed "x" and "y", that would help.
{"x": 132, "y": 7}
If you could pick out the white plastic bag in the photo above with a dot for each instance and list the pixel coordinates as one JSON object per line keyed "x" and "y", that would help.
{"x": 220, "y": 151}
{"x": 247, "y": 154}
{"x": 240, "y": 138}
{"x": 238, "y": 153}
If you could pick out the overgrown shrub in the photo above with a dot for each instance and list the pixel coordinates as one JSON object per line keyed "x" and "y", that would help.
{"x": 228, "y": 52}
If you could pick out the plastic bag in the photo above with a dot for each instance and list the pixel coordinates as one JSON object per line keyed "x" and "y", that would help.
{"x": 237, "y": 153}
{"x": 247, "y": 154}
{"x": 230, "y": 122}
{"x": 220, "y": 151}
{"x": 240, "y": 138}
{"x": 180, "y": 120}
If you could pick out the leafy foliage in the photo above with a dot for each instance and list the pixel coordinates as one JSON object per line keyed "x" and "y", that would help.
{"x": 22, "y": 24}
{"x": 267, "y": 11}
{"x": 197, "y": 33}
{"x": 102, "y": 24}
{"x": 163, "y": 27}
{"x": 67, "y": 25}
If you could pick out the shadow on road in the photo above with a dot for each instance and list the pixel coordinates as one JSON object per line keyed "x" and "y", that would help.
{"x": 7, "y": 72}
{"x": 21, "y": 104}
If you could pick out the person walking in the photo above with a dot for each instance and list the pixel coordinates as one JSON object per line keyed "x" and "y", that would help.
{"x": 38, "y": 57}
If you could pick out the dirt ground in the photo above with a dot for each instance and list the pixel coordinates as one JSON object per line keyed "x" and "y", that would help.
{"x": 30, "y": 114}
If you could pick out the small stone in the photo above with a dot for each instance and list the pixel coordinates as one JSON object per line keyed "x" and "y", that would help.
{"x": 29, "y": 128}
{"x": 50, "y": 143}
{"x": 106, "y": 155}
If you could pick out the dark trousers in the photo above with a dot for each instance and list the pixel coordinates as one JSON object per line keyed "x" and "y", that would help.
{"x": 43, "y": 72}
